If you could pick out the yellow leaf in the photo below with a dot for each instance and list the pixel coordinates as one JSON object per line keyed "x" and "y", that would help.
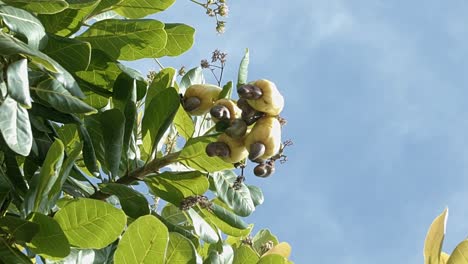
{"x": 435, "y": 238}
{"x": 282, "y": 249}
{"x": 444, "y": 257}
{"x": 459, "y": 254}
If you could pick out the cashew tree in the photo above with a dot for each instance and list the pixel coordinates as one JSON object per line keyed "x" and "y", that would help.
{"x": 101, "y": 164}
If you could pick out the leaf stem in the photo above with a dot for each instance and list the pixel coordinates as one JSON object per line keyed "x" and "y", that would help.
{"x": 198, "y": 3}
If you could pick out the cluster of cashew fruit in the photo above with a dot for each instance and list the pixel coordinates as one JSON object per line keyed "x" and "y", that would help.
{"x": 251, "y": 126}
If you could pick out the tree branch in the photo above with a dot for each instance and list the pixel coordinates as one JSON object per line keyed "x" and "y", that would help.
{"x": 140, "y": 173}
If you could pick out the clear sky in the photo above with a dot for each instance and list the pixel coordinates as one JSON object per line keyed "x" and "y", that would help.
{"x": 376, "y": 102}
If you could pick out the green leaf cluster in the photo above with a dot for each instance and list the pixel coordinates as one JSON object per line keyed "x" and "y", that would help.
{"x": 89, "y": 148}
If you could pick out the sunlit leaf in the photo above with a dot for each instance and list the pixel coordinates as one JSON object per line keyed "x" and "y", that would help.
{"x": 39, "y": 6}
{"x": 144, "y": 241}
{"x": 141, "y": 8}
{"x": 91, "y": 223}
{"x": 193, "y": 155}
{"x": 175, "y": 186}
{"x": 127, "y": 39}
{"x": 180, "y": 250}
{"x": 245, "y": 255}
{"x": 179, "y": 40}
{"x": 435, "y": 238}
{"x": 243, "y": 69}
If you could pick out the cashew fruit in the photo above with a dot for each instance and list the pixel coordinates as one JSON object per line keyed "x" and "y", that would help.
{"x": 199, "y": 98}
{"x": 264, "y": 140}
{"x": 225, "y": 109}
{"x": 263, "y": 96}
{"x": 228, "y": 149}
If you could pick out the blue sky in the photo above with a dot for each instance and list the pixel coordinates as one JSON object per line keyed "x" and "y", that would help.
{"x": 376, "y": 101}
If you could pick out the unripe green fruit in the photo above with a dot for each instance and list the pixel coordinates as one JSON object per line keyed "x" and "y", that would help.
{"x": 199, "y": 98}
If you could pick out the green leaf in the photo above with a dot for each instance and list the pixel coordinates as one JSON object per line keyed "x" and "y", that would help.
{"x": 124, "y": 99}
{"x": 202, "y": 228}
{"x": 52, "y": 114}
{"x": 37, "y": 198}
{"x": 245, "y": 255}
{"x": 127, "y": 39}
{"x": 15, "y": 126}
{"x": 159, "y": 115}
{"x": 459, "y": 254}
{"x": 435, "y": 238}
{"x": 18, "y": 83}
{"x": 176, "y": 186}
{"x": 240, "y": 200}
{"x": 15, "y": 177}
{"x": 79, "y": 4}
{"x": 93, "y": 127}
{"x": 68, "y": 21}
{"x": 20, "y": 229}
{"x": 144, "y": 241}
{"x": 72, "y": 54}
{"x": 179, "y": 40}
{"x": 184, "y": 123}
{"x": 89, "y": 223}
{"x": 104, "y": 6}
{"x": 24, "y": 24}
{"x": 282, "y": 249}
{"x": 11, "y": 46}
{"x": 56, "y": 190}
{"x": 173, "y": 214}
{"x": 163, "y": 80}
{"x": 272, "y": 259}
{"x": 225, "y": 255}
{"x": 112, "y": 126}
{"x": 39, "y": 6}
{"x": 68, "y": 133}
{"x": 102, "y": 70}
{"x": 261, "y": 238}
{"x": 228, "y": 217}
{"x": 53, "y": 92}
{"x": 133, "y": 202}
{"x": 193, "y": 76}
{"x": 227, "y": 91}
{"x": 180, "y": 250}
{"x": 225, "y": 223}
{"x": 243, "y": 69}
{"x": 8, "y": 254}
{"x": 89, "y": 155}
{"x": 256, "y": 194}
{"x": 193, "y": 155}
{"x": 141, "y": 8}
{"x": 50, "y": 242}
{"x": 88, "y": 256}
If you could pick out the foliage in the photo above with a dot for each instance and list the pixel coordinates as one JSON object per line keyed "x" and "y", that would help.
{"x": 433, "y": 253}
{"x": 83, "y": 136}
